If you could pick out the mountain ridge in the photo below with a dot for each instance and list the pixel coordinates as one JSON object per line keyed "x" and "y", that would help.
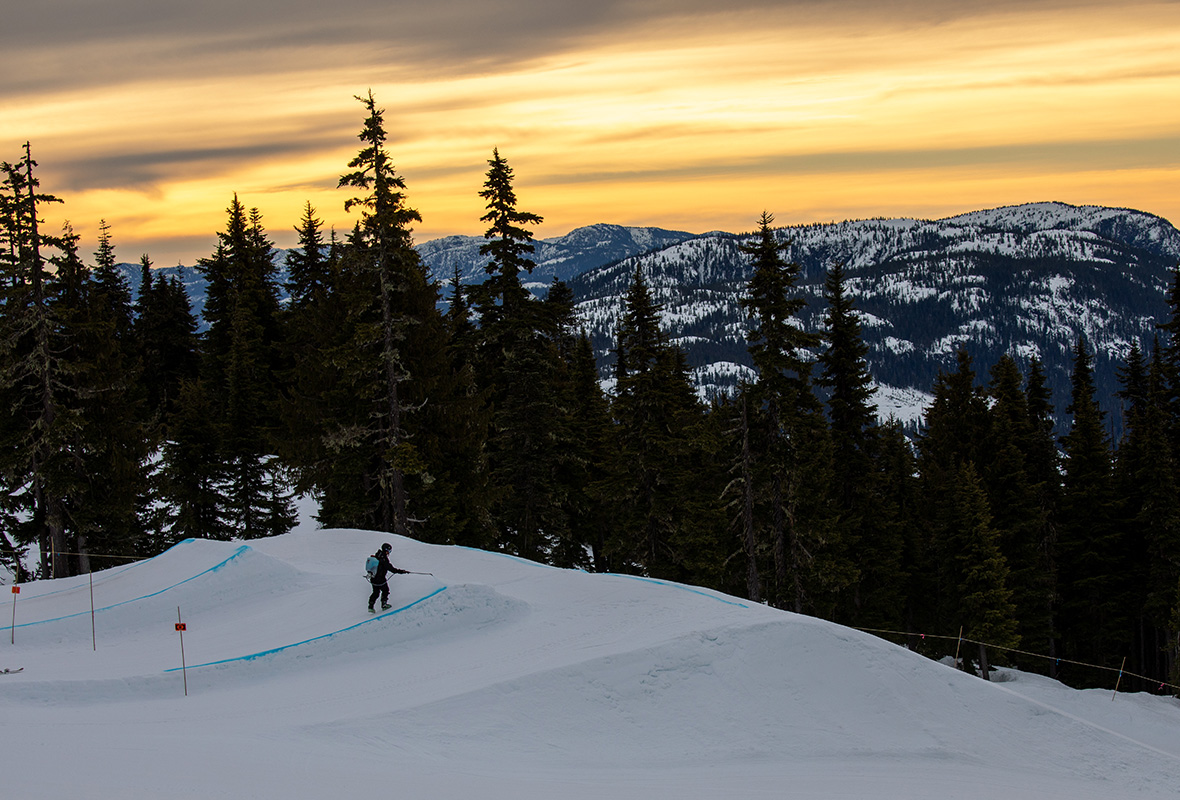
{"x": 1024, "y": 279}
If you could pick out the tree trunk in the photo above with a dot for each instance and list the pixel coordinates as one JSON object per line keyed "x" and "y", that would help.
{"x": 753, "y": 583}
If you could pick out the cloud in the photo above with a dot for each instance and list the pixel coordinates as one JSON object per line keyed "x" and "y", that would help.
{"x": 140, "y": 170}
{"x": 51, "y": 43}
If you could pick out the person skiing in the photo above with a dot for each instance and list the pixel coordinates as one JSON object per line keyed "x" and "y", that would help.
{"x": 380, "y": 577}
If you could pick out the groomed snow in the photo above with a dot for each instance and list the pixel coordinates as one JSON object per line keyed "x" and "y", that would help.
{"x": 501, "y": 678}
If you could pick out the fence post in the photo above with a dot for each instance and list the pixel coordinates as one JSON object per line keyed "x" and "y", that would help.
{"x": 93, "y": 632}
{"x": 180, "y": 628}
{"x": 12, "y": 632}
{"x": 1120, "y": 680}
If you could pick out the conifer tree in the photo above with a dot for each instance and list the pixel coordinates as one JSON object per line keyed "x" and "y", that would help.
{"x": 589, "y": 506}
{"x": 111, "y": 440}
{"x": 240, "y": 367}
{"x": 111, "y": 290}
{"x": 168, "y": 348}
{"x": 869, "y": 532}
{"x": 981, "y": 599}
{"x": 1093, "y": 624}
{"x": 35, "y": 466}
{"x": 519, "y": 365}
{"x": 664, "y": 528}
{"x": 396, "y": 349}
{"x": 1019, "y": 517}
{"x": 308, "y": 265}
{"x": 794, "y": 462}
{"x": 1148, "y": 515}
{"x": 953, "y": 435}
{"x": 1170, "y": 362}
{"x": 508, "y": 246}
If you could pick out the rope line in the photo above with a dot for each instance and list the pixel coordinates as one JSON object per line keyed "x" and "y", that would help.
{"x": 244, "y": 548}
{"x": 1058, "y": 659}
{"x": 273, "y": 650}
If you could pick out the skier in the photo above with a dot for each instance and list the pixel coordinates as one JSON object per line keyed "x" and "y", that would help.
{"x": 380, "y": 577}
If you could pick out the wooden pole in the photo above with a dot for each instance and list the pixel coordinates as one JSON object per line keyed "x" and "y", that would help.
{"x": 183, "y": 671}
{"x": 12, "y": 632}
{"x": 93, "y": 632}
{"x": 1120, "y": 680}
{"x": 958, "y": 644}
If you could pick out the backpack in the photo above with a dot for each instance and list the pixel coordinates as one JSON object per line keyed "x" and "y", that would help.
{"x": 371, "y": 565}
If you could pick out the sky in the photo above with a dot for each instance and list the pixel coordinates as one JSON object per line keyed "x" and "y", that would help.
{"x": 505, "y": 679}
{"x": 682, "y": 114}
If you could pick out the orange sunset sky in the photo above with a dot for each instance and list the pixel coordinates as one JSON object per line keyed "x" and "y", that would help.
{"x": 688, "y": 115}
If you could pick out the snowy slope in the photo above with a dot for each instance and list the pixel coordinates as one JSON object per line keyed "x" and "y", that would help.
{"x": 501, "y": 678}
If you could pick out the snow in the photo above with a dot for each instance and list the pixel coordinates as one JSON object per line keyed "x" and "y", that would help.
{"x": 502, "y": 678}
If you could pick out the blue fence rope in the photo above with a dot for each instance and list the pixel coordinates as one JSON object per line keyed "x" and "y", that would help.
{"x": 86, "y": 613}
{"x": 273, "y": 650}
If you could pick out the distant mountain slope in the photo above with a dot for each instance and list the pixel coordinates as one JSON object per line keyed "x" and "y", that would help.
{"x": 562, "y": 257}
{"x": 1026, "y": 280}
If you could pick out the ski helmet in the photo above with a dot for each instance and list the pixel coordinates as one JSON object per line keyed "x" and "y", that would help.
{"x": 386, "y": 547}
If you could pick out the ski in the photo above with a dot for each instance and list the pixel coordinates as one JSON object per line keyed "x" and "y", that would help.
{"x": 11, "y": 671}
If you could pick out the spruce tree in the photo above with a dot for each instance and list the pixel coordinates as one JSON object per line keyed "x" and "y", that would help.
{"x": 667, "y": 525}
{"x": 793, "y": 464}
{"x": 394, "y": 354}
{"x": 36, "y": 467}
{"x": 1093, "y": 623}
{"x": 1148, "y": 515}
{"x": 870, "y": 534}
{"x": 1019, "y": 517}
{"x": 240, "y": 368}
{"x": 167, "y": 344}
{"x": 981, "y": 600}
{"x": 520, "y": 369}
{"x": 953, "y": 434}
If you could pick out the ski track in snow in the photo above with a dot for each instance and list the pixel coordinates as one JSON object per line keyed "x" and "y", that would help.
{"x": 502, "y": 678}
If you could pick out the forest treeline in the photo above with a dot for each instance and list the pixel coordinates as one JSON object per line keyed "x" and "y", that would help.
{"x": 485, "y": 424}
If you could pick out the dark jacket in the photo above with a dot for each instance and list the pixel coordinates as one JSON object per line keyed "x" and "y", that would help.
{"x": 384, "y": 568}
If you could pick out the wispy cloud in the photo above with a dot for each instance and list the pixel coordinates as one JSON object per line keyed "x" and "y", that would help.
{"x": 685, "y": 113}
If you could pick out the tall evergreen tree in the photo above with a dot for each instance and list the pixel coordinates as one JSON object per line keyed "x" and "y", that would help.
{"x": 667, "y": 526}
{"x": 36, "y": 467}
{"x": 869, "y": 531}
{"x": 241, "y": 361}
{"x": 794, "y": 463}
{"x": 168, "y": 347}
{"x": 110, "y": 442}
{"x": 1019, "y": 517}
{"x": 1170, "y": 362}
{"x": 1148, "y": 516}
{"x": 398, "y": 347}
{"x": 981, "y": 599}
{"x": 1093, "y": 624}
{"x": 953, "y": 435}
{"x": 521, "y": 370}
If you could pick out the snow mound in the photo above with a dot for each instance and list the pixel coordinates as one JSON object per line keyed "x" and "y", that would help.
{"x": 499, "y": 677}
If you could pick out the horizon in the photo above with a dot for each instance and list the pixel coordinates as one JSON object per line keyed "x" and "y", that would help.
{"x": 684, "y": 117}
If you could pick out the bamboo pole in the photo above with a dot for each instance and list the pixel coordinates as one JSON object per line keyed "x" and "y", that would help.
{"x": 93, "y": 631}
{"x": 183, "y": 671}
{"x": 1120, "y": 680}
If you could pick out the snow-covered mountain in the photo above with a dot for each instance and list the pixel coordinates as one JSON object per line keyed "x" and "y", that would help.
{"x": 501, "y": 678}
{"x": 563, "y": 257}
{"x": 1025, "y": 280}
